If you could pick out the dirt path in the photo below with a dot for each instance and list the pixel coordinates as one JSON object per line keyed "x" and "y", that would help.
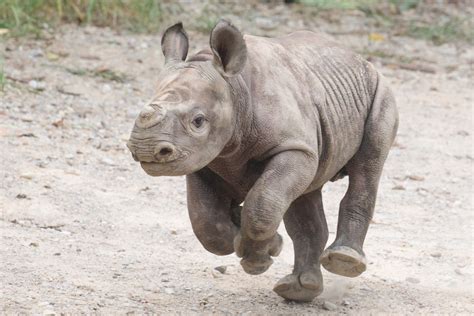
{"x": 83, "y": 229}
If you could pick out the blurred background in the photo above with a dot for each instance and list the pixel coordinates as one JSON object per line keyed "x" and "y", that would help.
{"x": 84, "y": 230}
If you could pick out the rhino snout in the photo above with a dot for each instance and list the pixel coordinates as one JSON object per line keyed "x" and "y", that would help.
{"x": 161, "y": 152}
{"x": 165, "y": 152}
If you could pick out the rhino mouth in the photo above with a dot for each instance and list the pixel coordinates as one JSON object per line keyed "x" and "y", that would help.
{"x": 157, "y": 169}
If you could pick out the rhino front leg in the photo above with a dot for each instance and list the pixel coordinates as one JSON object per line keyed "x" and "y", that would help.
{"x": 306, "y": 224}
{"x": 286, "y": 177}
{"x": 210, "y": 210}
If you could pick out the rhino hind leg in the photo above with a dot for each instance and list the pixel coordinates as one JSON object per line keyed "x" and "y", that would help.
{"x": 345, "y": 255}
{"x": 306, "y": 224}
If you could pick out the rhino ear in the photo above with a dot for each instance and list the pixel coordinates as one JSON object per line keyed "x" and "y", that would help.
{"x": 228, "y": 47}
{"x": 174, "y": 43}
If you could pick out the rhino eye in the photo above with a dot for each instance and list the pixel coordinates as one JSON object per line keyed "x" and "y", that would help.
{"x": 198, "y": 121}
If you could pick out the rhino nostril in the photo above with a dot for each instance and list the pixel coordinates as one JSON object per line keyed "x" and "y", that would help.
{"x": 165, "y": 151}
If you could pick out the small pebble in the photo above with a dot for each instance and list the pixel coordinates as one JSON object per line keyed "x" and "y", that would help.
{"x": 37, "y": 85}
{"x": 412, "y": 280}
{"x": 132, "y": 114}
{"x": 216, "y": 274}
{"x": 415, "y": 178}
{"x": 399, "y": 187}
{"x": 329, "y": 306}
{"x": 27, "y": 176}
{"x": 106, "y": 88}
{"x": 107, "y": 161}
{"x": 169, "y": 290}
{"x": 266, "y": 23}
{"x": 221, "y": 269}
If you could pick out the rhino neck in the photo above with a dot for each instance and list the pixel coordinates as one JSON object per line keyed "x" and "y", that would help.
{"x": 242, "y": 137}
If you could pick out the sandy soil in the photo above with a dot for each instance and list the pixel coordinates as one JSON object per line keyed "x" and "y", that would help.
{"x": 83, "y": 229}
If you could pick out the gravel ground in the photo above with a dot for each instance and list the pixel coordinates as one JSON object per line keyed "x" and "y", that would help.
{"x": 84, "y": 230}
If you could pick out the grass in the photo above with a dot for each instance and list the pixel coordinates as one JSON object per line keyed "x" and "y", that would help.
{"x": 363, "y": 5}
{"x": 440, "y": 32}
{"x": 389, "y": 16}
{"x": 206, "y": 20}
{"x": 106, "y": 74}
{"x": 24, "y": 17}
{"x": 331, "y": 4}
{"x": 387, "y": 56}
{"x": 3, "y": 78}
{"x": 34, "y": 17}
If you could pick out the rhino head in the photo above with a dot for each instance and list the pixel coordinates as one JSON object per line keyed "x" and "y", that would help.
{"x": 191, "y": 117}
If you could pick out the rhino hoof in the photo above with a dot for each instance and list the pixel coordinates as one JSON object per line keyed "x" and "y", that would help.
{"x": 344, "y": 261}
{"x": 302, "y": 288}
{"x": 255, "y": 267}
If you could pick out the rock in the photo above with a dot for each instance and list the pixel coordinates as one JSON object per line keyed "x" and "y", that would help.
{"x": 107, "y": 161}
{"x": 34, "y": 244}
{"x": 132, "y": 114}
{"x": 221, "y": 269}
{"x": 458, "y": 271}
{"x": 415, "y": 177}
{"x": 49, "y": 312}
{"x": 36, "y": 52}
{"x": 436, "y": 254}
{"x": 345, "y": 303}
{"x": 21, "y": 196}
{"x": 169, "y": 290}
{"x": 329, "y": 306}
{"x": 399, "y": 187}
{"x": 27, "y": 135}
{"x": 422, "y": 191}
{"x": 106, "y": 88}
{"x": 37, "y": 85}
{"x": 412, "y": 280}
{"x": 266, "y": 23}
{"x": 216, "y": 274}
{"x": 27, "y": 176}
{"x": 58, "y": 123}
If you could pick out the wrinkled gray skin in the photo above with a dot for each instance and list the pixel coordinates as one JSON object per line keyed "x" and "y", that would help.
{"x": 267, "y": 122}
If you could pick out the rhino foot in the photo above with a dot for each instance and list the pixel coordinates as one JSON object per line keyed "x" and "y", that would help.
{"x": 344, "y": 261}
{"x": 256, "y": 266}
{"x": 256, "y": 255}
{"x": 303, "y": 287}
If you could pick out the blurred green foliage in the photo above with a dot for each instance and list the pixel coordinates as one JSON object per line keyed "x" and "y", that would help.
{"x": 364, "y": 5}
{"x": 440, "y": 32}
{"x": 31, "y": 16}
{"x": 388, "y": 14}
{"x": 3, "y": 78}
{"x": 26, "y": 17}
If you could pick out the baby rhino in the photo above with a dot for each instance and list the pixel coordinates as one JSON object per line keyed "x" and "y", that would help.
{"x": 258, "y": 126}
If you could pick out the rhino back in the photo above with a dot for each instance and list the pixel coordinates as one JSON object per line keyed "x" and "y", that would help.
{"x": 306, "y": 87}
